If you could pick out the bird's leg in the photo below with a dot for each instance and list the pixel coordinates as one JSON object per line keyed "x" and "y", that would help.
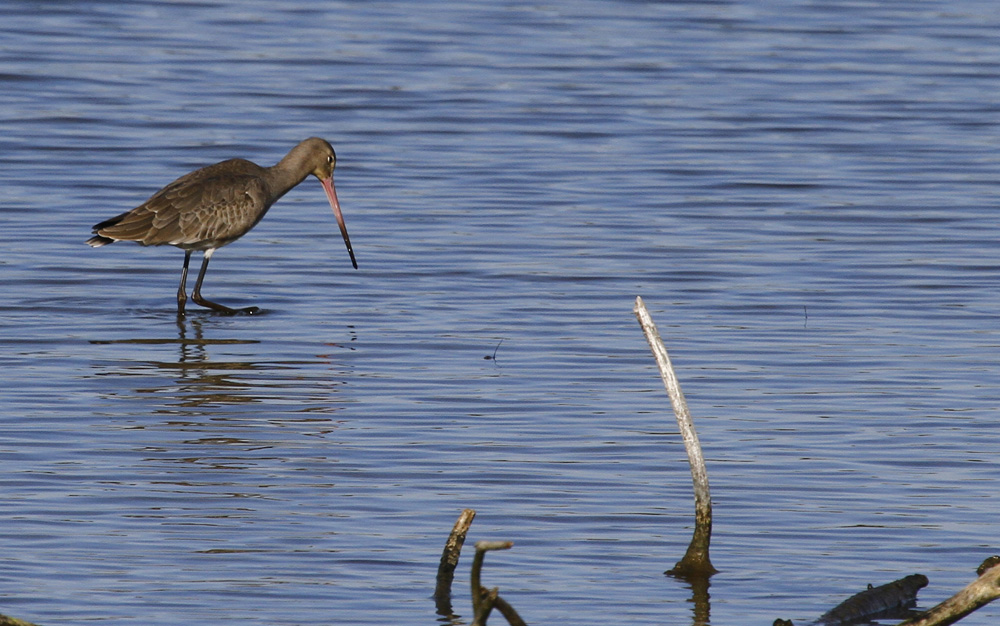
{"x": 182, "y": 290}
{"x": 215, "y": 306}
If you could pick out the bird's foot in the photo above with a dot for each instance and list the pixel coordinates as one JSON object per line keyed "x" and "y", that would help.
{"x": 225, "y": 310}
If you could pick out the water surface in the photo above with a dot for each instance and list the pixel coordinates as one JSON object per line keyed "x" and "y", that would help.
{"x": 803, "y": 194}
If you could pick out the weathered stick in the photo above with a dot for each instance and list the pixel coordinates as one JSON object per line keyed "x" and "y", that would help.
{"x": 976, "y": 594}
{"x": 695, "y": 561}
{"x": 483, "y": 600}
{"x": 508, "y": 611}
{"x": 6, "y": 620}
{"x": 449, "y": 560}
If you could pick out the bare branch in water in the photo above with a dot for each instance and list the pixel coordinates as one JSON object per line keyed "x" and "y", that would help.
{"x": 483, "y": 600}
{"x": 695, "y": 562}
{"x": 449, "y": 560}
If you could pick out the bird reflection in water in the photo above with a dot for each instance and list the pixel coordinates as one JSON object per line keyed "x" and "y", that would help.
{"x": 212, "y": 377}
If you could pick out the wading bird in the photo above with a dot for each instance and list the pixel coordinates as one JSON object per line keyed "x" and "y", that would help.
{"x": 218, "y": 204}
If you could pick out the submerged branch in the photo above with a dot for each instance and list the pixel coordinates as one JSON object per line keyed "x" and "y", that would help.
{"x": 696, "y": 561}
{"x": 508, "y": 612}
{"x": 449, "y": 560}
{"x": 483, "y": 600}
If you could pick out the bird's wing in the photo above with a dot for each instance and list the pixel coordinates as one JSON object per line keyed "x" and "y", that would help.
{"x": 206, "y": 208}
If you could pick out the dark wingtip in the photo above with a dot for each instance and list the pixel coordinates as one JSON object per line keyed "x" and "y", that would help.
{"x": 97, "y": 241}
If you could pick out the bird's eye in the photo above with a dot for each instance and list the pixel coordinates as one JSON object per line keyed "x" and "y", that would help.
{"x": 329, "y": 159}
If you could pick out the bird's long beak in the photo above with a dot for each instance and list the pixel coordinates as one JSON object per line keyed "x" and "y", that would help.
{"x": 331, "y": 194}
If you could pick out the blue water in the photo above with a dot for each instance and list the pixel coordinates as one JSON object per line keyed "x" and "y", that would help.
{"x": 803, "y": 194}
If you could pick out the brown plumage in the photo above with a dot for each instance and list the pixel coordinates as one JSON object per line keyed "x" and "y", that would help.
{"x": 218, "y": 204}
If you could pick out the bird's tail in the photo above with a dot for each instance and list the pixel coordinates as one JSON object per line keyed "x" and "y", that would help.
{"x": 97, "y": 241}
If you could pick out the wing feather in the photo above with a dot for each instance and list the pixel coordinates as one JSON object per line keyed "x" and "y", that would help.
{"x": 207, "y": 208}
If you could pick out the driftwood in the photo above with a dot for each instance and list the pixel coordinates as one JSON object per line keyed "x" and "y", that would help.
{"x": 449, "y": 560}
{"x": 483, "y": 600}
{"x": 696, "y": 562}
{"x": 976, "y": 594}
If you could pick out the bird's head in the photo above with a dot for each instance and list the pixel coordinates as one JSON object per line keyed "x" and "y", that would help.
{"x": 322, "y": 157}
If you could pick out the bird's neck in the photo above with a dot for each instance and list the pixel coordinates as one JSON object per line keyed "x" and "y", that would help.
{"x": 287, "y": 173}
